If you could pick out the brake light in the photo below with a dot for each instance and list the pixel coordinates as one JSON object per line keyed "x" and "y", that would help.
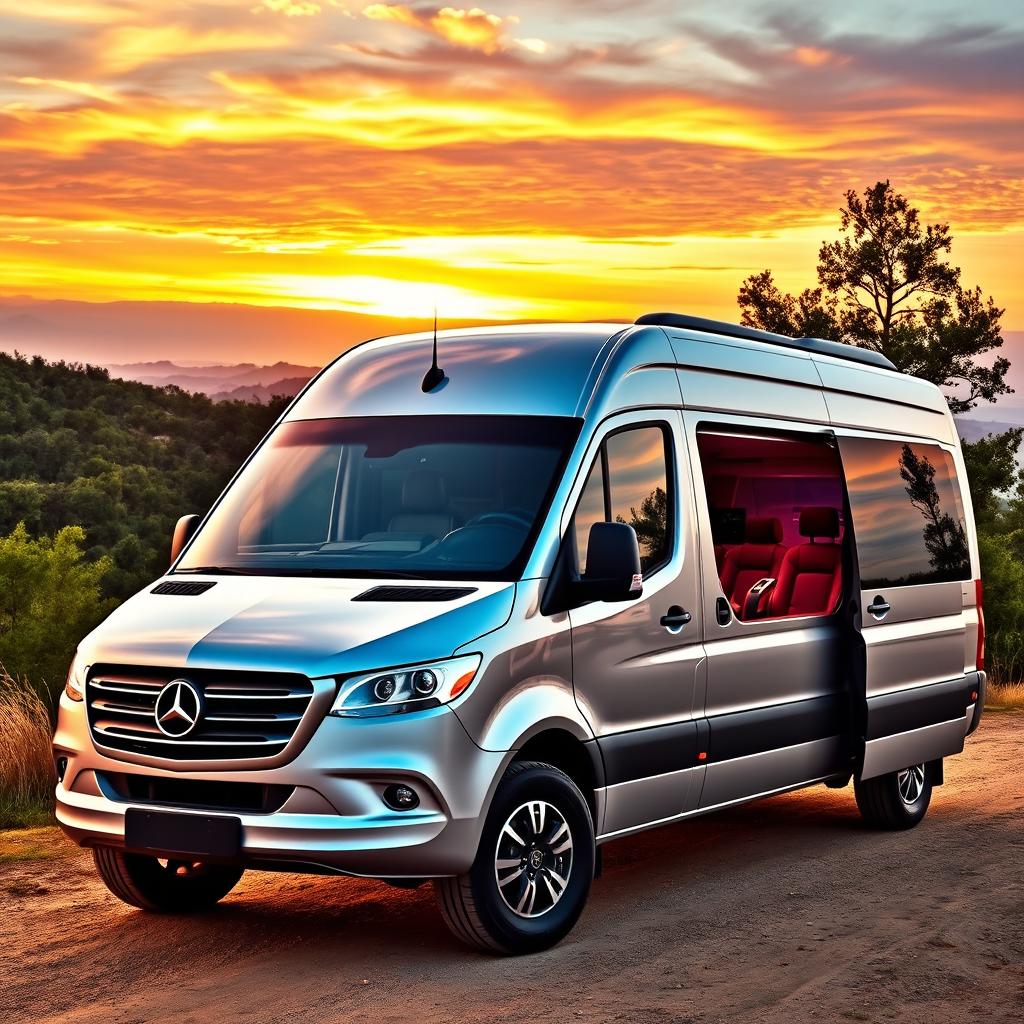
{"x": 980, "y": 658}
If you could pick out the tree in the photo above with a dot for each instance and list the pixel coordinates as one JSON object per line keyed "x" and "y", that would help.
{"x": 886, "y": 285}
{"x": 49, "y": 599}
{"x": 944, "y": 536}
{"x": 650, "y": 524}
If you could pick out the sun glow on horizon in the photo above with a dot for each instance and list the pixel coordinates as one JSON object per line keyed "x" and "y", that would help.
{"x": 511, "y": 161}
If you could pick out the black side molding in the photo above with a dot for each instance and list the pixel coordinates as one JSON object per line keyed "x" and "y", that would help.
{"x": 641, "y": 753}
{"x": 771, "y": 728}
{"x": 892, "y": 713}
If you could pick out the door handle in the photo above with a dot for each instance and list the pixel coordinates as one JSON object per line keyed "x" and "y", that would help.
{"x": 879, "y": 608}
{"x": 675, "y": 618}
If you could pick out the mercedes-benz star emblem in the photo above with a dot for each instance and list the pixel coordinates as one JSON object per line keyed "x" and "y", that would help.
{"x": 179, "y": 706}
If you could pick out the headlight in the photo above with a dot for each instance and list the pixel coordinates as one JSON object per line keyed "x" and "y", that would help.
{"x": 75, "y": 685}
{"x": 393, "y": 691}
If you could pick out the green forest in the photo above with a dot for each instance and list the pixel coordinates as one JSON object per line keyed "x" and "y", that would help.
{"x": 94, "y": 473}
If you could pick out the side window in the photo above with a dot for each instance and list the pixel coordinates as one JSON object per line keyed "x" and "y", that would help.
{"x": 907, "y": 514}
{"x": 590, "y": 510}
{"x": 628, "y": 483}
{"x": 775, "y": 503}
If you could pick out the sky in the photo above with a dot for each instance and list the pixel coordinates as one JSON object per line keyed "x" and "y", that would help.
{"x": 549, "y": 160}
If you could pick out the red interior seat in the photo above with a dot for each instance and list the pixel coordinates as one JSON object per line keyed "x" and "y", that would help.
{"x": 760, "y": 555}
{"x": 811, "y": 576}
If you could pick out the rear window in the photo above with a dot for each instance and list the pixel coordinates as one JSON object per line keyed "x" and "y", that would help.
{"x": 907, "y": 513}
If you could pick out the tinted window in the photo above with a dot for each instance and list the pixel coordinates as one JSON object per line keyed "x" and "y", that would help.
{"x": 907, "y": 515}
{"x": 590, "y": 510}
{"x": 418, "y": 496}
{"x": 636, "y": 493}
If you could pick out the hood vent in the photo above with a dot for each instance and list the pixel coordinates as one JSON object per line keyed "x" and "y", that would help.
{"x": 182, "y": 589}
{"x": 414, "y": 593}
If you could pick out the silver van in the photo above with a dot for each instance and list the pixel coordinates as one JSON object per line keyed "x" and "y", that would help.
{"x": 482, "y": 602}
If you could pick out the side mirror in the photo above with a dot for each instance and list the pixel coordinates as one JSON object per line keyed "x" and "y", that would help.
{"x": 183, "y": 530}
{"x": 613, "y": 565}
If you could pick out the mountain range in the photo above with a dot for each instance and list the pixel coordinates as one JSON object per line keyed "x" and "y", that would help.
{"x": 245, "y": 382}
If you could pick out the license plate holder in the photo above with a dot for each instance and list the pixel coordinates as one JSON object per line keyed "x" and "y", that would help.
{"x": 196, "y": 835}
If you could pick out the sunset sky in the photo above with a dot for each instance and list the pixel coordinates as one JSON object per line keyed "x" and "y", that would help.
{"x": 531, "y": 159}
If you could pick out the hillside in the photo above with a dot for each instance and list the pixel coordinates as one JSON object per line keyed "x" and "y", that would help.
{"x": 244, "y": 382}
{"x": 122, "y": 459}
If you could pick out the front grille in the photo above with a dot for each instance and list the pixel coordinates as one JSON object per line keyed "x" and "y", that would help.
{"x": 246, "y": 715}
{"x": 198, "y": 794}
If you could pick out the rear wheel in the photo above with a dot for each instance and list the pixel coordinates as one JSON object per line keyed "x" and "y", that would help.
{"x": 533, "y": 868}
{"x": 153, "y": 883}
{"x": 898, "y": 800}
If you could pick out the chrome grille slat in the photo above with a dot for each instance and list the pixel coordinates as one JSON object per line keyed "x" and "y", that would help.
{"x": 139, "y": 692}
{"x": 255, "y": 696}
{"x": 254, "y": 719}
{"x": 247, "y": 714}
{"x": 120, "y": 709}
{"x": 160, "y": 738}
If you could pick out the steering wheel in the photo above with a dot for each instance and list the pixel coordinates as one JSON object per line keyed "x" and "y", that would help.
{"x": 517, "y": 517}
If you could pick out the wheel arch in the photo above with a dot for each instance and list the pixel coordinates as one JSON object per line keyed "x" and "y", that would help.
{"x": 580, "y": 759}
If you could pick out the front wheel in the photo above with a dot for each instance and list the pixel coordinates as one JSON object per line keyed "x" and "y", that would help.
{"x": 152, "y": 883}
{"x": 533, "y": 868}
{"x": 898, "y": 800}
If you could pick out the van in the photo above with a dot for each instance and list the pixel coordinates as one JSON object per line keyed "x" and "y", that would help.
{"x": 483, "y": 601}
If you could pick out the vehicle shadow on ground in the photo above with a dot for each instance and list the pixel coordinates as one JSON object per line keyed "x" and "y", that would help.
{"x": 273, "y": 911}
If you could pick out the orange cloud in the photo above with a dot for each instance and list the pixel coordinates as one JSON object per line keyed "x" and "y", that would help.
{"x": 329, "y": 153}
{"x": 473, "y": 28}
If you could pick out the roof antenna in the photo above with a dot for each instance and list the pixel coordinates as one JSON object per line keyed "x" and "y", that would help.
{"x": 435, "y": 374}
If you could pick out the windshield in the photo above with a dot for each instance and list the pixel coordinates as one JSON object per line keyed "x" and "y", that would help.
{"x": 432, "y": 497}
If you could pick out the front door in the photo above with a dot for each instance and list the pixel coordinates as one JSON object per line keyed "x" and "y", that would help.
{"x": 636, "y": 665}
{"x": 916, "y": 581}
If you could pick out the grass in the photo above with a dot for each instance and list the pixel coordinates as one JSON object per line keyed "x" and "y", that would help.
{"x": 32, "y": 844}
{"x": 1004, "y": 697}
{"x": 26, "y": 763}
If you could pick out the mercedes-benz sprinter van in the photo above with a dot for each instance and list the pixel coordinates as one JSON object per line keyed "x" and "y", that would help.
{"x": 482, "y": 602}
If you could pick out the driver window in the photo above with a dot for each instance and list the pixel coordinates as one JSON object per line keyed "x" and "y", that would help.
{"x": 628, "y": 483}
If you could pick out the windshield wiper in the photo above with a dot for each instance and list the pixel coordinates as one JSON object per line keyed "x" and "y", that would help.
{"x": 306, "y": 570}
{"x": 221, "y": 570}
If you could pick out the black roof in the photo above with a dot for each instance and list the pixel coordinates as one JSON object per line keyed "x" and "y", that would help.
{"x": 821, "y": 346}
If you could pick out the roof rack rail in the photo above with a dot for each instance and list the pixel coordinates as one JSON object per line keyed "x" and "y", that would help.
{"x": 821, "y": 346}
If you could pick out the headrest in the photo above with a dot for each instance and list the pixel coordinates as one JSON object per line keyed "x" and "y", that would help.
{"x": 763, "y": 530}
{"x": 819, "y": 522}
{"x": 424, "y": 491}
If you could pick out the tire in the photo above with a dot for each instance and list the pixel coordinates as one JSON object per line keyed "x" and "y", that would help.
{"x": 895, "y": 801}
{"x": 170, "y": 886}
{"x": 513, "y": 900}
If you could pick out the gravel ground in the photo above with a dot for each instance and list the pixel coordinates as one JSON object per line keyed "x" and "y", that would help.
{"x": 788, "y": 909}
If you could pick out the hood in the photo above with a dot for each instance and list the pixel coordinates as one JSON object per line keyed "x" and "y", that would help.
{"x": 293, "y": 624}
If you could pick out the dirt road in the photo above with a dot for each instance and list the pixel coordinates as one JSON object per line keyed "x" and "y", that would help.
{"x": 785, "y": 910}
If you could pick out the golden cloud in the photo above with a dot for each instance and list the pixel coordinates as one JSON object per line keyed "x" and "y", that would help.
{"x": 472, "y": 28}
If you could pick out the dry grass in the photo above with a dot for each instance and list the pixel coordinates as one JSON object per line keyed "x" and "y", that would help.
{"x": 1004, "y": 697}
{"x": 26, "y": 763}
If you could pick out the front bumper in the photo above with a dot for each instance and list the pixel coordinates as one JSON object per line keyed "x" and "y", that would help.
{"x": 334, "y": 818}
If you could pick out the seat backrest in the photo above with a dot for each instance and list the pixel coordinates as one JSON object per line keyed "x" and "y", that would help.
{"x": 760, "y": 555}
{"x": 425, "y": 508}
{"x": 811, "y": 575}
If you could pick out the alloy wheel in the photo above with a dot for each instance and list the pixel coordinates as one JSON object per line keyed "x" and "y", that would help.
{"x": 911, "y": 783}
{"x": 533, "y": 859}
